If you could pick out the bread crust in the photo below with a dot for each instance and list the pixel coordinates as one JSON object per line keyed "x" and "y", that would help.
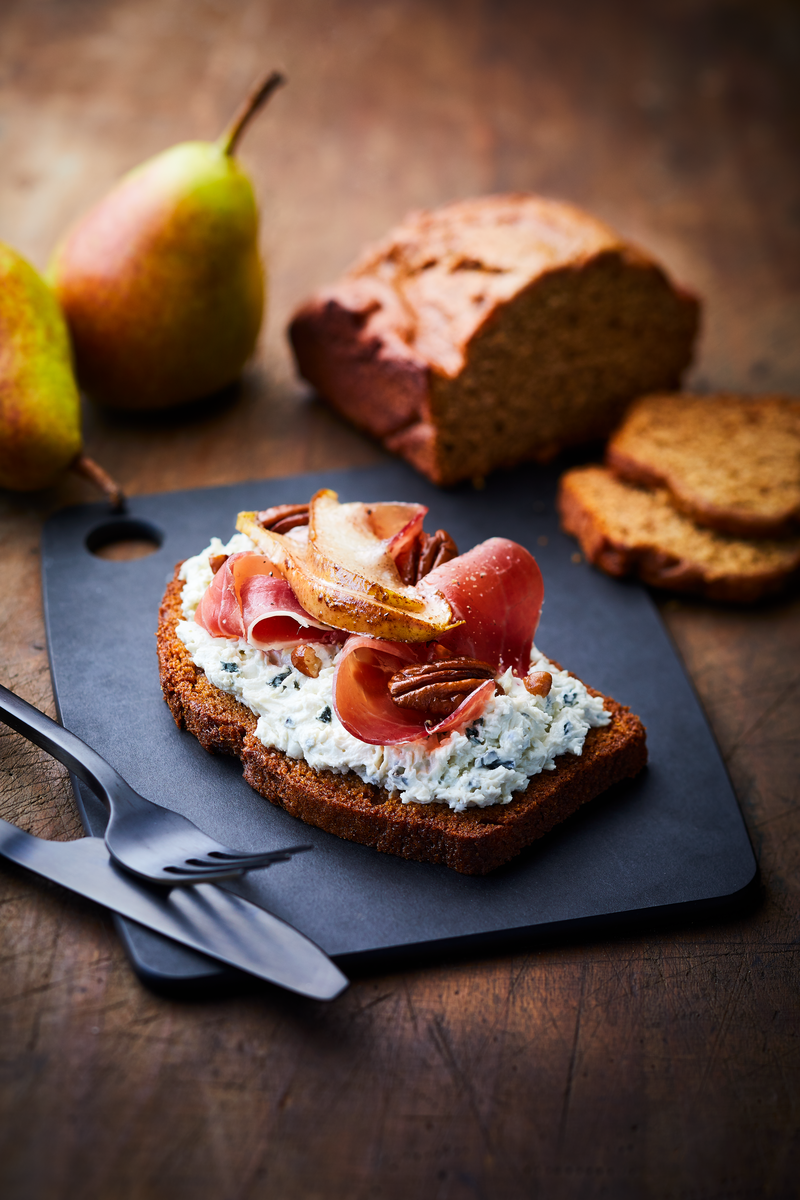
{"x": 731, "y": 463}
{"x": 493, "y": 331}
{"x": 625, "y": 530}
{"x": 473, "y": 842}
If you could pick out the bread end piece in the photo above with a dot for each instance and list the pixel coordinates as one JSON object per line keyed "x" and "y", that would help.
{"x": 494, "y": 331}
{"x": 473, "y": 843}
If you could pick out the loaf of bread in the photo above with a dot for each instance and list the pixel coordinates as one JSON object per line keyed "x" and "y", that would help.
{"x": 731, "y": 463}
{"x": 473, "y": 842}
{"x": 630, "y": 530}
{"x": 492, "y": 331}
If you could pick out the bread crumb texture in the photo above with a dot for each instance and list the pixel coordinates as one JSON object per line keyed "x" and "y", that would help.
{"x": 631, "y": 530}
{"x": 473, "y": 842}
{"x": 732, "y": 463}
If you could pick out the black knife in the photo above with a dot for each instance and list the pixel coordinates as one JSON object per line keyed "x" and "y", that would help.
{"x": 204, "y": 917}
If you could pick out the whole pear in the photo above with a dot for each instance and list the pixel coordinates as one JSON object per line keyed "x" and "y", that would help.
{"x": 161, "y": 283}
{"x": 40, "y": 412}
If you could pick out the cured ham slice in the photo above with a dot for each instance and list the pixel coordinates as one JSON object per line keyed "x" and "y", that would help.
{"x": 496, "y": 589}
{"x": 246, "y": 599}
{"x": 366, "y": 709}
{"x": 401, "y": 526}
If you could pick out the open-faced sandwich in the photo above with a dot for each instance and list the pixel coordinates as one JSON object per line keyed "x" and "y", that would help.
{"x": 379, "y": 685}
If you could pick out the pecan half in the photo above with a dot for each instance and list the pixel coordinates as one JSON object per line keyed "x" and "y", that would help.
{"x": 439, "y": 687}
{"x": 435, "y": 549}
{"x": 283, "y": 517}
{"x": 215, "y": 561}
{"x": 431, "y": 550}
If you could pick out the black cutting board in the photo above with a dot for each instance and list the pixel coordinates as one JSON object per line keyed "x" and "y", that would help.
{"x": 674, "y": 836}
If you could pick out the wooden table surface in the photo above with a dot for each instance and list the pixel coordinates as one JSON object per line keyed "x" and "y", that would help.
{"x": 661, "y": 1063}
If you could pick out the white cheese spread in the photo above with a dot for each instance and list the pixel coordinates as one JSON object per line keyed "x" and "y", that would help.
{"x": 517, "y": 736}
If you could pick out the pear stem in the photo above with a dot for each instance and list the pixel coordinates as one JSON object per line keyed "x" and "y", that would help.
{"x": 89, "y": 469}
{"x": 256, "y": 100}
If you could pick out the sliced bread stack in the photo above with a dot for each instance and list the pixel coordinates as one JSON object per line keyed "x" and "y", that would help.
{"x": 699, "y": 494}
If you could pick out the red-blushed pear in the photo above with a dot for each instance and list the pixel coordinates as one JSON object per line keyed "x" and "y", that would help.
{"x": 40, "y": 410}
{"x": 161, "y": 283}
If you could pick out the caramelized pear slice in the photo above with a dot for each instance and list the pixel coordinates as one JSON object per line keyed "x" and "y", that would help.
{"x": 349, "y": 543}
{"x": 343, "y": 574}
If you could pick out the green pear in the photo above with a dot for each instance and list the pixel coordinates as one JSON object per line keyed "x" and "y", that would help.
{"x": 161, "y": 283}
{"x": 40, "y": 411}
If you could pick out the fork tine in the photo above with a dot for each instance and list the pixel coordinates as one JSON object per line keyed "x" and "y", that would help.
{"x": 244, "y": 859}
{"x": 217, "y": 863}
{"x": 241, "y": 855}
{"x": 193, "y": 875}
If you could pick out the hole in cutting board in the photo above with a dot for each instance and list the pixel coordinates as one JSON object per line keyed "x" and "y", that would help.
{"x": 124, "y": 540}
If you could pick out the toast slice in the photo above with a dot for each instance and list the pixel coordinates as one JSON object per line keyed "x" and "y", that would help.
{"x": 628, "y": 530}
{"x": 729, "y": 462}
{"x": 472, "y": 842}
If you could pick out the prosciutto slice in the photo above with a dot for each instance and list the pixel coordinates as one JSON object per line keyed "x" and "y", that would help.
{"x": 246, "y": 599}
{"x": 365, "y": 708}
{"x": 496, "y": 589}
{"x": 401, "y": 542}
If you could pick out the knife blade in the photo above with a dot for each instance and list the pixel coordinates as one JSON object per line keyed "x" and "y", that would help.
{"x": 203, "y": 916}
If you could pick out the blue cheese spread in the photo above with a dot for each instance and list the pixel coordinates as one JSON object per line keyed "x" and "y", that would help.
{"x": 517, "y": 736}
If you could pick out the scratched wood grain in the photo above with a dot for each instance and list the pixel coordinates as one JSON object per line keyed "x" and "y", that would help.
{"x": 661, "y": 1062}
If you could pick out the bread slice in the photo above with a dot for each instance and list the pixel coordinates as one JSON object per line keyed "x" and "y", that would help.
{"x": 494, "y": 330}
{"x": 731, "y": 463}
{"x": 472, "y": 842}
{"x": 628, "y": 530}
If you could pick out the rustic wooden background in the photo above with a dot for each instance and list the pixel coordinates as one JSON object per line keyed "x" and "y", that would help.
{"x": 663, "y": 1063}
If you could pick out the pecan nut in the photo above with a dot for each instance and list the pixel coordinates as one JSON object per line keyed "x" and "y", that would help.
{"x": 435, "y": 549}
{"x": 438, "y": 687}
{"x": 283, "y": 517}
{"x": 431, "y": 550}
